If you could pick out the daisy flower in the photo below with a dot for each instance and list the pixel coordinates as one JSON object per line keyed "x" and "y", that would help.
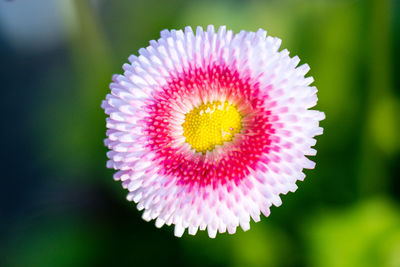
{"x": 208, "y": 128}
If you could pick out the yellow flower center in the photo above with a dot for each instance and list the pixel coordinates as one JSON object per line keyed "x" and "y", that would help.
{"x": 211, "y": 124}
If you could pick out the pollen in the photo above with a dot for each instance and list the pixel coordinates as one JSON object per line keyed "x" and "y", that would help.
{"x": 211, "y": 124}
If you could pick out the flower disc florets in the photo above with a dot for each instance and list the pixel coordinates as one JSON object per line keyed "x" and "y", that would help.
{"x": 211, "y": 124}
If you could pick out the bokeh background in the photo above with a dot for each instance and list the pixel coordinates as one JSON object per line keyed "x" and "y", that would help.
{"x": 59, "y": 205}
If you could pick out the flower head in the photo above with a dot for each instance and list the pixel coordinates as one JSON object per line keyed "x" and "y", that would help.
{"x": 207, "y": 129}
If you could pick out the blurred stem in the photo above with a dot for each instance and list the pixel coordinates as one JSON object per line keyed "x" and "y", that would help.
{"x": 89, "y": 49}
{"x": 373, "y": 173}
{"x": 92, "y": 68}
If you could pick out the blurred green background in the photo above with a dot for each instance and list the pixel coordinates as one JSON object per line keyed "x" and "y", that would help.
{"x": 59, "y": 203}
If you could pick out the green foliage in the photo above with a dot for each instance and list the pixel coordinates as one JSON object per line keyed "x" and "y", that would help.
{"x": 365, "y": 234}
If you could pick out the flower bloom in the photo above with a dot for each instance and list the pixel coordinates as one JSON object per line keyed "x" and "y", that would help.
{"x": 207, "y": 129}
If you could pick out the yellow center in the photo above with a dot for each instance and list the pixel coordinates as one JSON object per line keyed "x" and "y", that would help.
{"x": 211, "y": 124}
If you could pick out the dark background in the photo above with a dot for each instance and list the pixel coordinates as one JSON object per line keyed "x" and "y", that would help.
{"x": 59, "y": 205}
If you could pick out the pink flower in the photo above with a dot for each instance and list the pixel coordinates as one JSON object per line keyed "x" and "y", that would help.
{"x": 207, "y": 129}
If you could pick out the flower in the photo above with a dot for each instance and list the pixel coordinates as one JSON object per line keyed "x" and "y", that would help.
{"x": 207, "y": 129}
